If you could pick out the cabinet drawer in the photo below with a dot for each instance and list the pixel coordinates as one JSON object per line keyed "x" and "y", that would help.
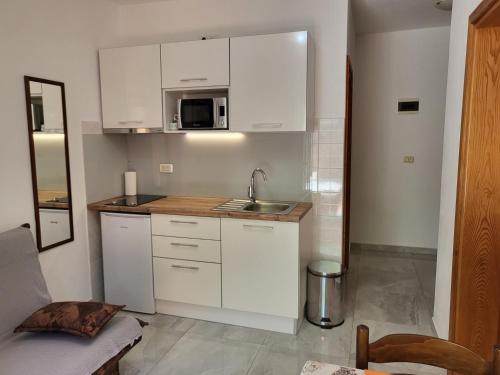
{"x": 188, "y": 282}
{"x": 188, "y": 249}
{"x": 207, "y": 228}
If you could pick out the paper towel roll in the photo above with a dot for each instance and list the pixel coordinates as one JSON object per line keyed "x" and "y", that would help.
{"x": 130, "y": 183}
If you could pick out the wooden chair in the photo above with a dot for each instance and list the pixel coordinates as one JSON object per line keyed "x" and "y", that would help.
{"x": 425, "y": 350}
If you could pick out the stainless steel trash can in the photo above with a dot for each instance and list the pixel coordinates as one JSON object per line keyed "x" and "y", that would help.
{"x": 325, "y": 294}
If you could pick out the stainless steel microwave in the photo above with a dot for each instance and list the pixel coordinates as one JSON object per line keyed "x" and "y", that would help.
{"x": 202, "y": 114}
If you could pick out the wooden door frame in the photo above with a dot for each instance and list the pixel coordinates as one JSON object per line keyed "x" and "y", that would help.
{"x": 473, "y": 299}
{"x": 346, "y": 196}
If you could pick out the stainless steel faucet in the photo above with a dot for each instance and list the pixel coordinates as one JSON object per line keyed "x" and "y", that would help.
{"x": 251, "y": 188}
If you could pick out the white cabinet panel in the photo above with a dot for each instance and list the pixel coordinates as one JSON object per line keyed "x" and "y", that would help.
{"x": 131, "y": 87}
{"x": 188, "y": 282}
{"x": 201, "y": 63}
{"x": 186, "y": 226}
{"x": 54, "y": 226}
{"x": 127, "y": 261}
{"x": 269, "y": 82}
{"x": 186, "y": 248}
{"x": 260, "y": 270}
{"x": 35, "y": 88}
{"x": 52, "y": 108}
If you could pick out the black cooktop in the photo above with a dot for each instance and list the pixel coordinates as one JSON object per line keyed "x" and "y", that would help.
{"x": 135, "y": 200}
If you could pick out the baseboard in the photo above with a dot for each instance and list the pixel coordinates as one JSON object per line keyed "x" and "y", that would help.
{"x": 361, "y": 247}
{"x": 226, "y": 316}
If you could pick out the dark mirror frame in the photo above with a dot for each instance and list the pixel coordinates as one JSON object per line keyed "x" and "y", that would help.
{"x": 27, "y": 80}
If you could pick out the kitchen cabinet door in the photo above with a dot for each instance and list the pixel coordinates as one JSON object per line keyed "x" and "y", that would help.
{"x": 131, "y": 87}
{"x": 200, "y": 63}
{"x": 197, "y": 283}
{"x": 52, "y": 108}
{"x": 260, "y": 266}
{"x": 54, "y": 225}
{"x": 268, "y": 90}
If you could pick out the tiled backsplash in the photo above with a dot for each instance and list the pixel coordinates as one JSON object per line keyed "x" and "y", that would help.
{"x": 327, "y": 162}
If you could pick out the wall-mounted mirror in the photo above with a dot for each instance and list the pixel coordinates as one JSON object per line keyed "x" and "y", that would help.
{"x": 48, "y": 138}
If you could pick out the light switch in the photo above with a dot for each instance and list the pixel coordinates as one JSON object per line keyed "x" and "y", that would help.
{"x": 166, "y": 168}
{"x": 410, "y": 159}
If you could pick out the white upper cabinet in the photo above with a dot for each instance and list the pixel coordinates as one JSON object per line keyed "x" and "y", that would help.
{"x": 131, "y": 87}
{"x": 52, "y": 108}
{"x": 201, "y": 63}
{"x": 269, "y": 85}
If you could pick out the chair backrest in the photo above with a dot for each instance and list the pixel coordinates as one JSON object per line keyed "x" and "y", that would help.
{"x": 22, "y": 286}
{"x": 423, "y": 350}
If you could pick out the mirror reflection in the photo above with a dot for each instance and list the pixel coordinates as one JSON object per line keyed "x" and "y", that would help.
{"x": 50, "y": 168}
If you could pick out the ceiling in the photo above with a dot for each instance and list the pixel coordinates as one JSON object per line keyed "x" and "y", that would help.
{"x": 372, "y": 16}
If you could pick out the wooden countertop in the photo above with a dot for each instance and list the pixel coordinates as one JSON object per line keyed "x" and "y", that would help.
{"x": 45, "y": 197}
{"x": 199, "y": 206}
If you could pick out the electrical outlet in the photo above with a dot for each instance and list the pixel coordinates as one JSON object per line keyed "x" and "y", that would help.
{"x": 410, "y": 159}
{"x": 166, "y": 168}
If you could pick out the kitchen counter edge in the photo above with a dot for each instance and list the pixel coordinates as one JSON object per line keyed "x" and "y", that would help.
{"x": 198, "y": 206}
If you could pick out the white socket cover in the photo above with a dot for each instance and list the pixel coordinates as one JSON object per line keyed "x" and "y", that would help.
{"x": 166, "y": 168}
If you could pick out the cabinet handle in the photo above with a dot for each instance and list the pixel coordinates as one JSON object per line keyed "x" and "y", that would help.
{"x": 270, "y": 125}
{"x": 183, "y": 222}
{"x": 186, "y": 267}
{"x": 183, "y": 244}
{"x": 54, "y": 222}
{"x": 131, "y": 122}
{"x": 258, "y": 226}
{"x": 123, "y": 227}
{"x": 194, "y": 79}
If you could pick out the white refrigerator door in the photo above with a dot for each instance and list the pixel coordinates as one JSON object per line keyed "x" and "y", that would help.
{"x": 128, "y": 261}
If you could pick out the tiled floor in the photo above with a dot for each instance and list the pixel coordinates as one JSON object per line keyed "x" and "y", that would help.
{"x": 389, "y": 293}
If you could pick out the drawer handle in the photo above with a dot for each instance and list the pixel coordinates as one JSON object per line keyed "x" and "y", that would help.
{"x": 131, "y": 122}
{"x": 194, "y": 79}
{"x": 183, "y": 222}
{"x": 54, "y": 222}
{"x": 258, "y": 226}
{"x": 186, "y": 267}
{"x": 183, "y": 244}
{"x": 268, "y": 125}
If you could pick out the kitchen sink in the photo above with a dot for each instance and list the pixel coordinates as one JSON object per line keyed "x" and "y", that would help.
{"x": 267, "y": 207}
{"x": 259, "y": 207}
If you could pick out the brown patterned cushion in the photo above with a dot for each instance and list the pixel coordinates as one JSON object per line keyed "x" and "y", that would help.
{"x": 77, "y": 318}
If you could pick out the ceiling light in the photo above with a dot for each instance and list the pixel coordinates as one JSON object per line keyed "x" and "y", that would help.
{"x": 214, "y": 136}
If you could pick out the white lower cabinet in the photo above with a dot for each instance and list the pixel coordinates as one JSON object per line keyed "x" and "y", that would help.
{"x": 242, "y": 272}
{"x": 260, "y": 271}
{"x": 54, "y": 226}
{"x": 198, "y": 283}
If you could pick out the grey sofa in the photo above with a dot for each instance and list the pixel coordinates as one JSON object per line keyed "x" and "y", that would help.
{"x": 23, "y": 291}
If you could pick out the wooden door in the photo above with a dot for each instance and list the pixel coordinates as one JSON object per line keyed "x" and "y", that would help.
{"x": 475, "y": 309}
{"x": 346, "y": 242}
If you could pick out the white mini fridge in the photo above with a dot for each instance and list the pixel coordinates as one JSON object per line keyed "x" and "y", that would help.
{"x": 128, "y": 261}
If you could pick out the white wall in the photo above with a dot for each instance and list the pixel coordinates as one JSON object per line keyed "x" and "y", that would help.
{"x": 50, "y": 162}
{"x": 394, "y": 203}
{"x": 176, "y": 20}
{"x": 451, "y": 148}
{"x": 220, "y": 167}
{"x": 53, "y": 39}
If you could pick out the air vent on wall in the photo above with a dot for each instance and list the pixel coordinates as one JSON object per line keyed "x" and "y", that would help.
{"x": 408, "y": 106}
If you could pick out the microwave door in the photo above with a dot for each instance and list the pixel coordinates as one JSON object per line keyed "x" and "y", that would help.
{"x": 197, "y": 113}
